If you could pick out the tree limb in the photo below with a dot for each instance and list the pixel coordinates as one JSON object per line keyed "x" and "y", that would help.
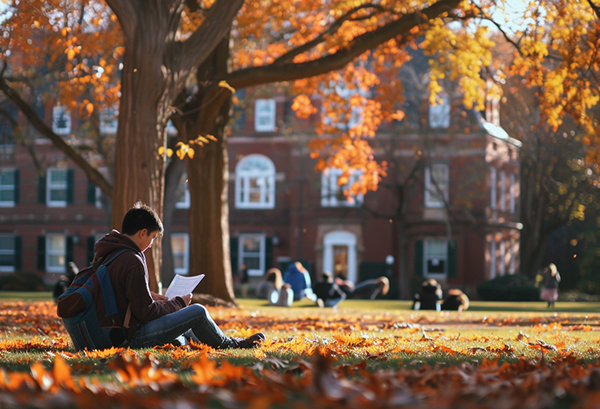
{"x": 203, "y": 41}
{"x": 92, "y": 173}
{"x": 254, "y": 76}
{"x": 335, "y": 26}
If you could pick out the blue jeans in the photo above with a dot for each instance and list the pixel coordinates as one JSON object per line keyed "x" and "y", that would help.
{"x": 193, "y": 322}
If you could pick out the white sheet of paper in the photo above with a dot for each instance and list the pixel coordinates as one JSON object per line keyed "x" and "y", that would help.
{"x": 182, "y": 285}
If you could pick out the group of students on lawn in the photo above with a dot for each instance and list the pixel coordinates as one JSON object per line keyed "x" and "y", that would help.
{"x": 295, "y": 284}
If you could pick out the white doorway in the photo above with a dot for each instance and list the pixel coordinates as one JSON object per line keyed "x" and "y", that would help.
{"x": 339, "y": 254}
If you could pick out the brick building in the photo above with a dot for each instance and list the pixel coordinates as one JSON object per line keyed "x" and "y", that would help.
{"x": 448, "y": 208}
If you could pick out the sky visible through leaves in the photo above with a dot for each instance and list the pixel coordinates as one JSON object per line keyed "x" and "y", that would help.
{"x": 313, "y": 358}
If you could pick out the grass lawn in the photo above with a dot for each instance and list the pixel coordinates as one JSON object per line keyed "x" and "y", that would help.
{"x": 364, "y": 353}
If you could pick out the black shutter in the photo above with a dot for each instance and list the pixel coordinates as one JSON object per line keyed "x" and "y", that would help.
{"x": 69, "y": 246}
{"x": 91, "y": 242}
{"x": 268, "y": 253}
{"x": 418, "y": 257}
{"x": 18, "y": 253}
{"x": 42, "y": 189}
{"x": 70, "y": 185}
{"x": 233, "y": 252}
{"x": 91, "y": 193}
{"x": 41, "y": 253}
{"x": 16, "y": 186}
{"x": 452, "y": 254}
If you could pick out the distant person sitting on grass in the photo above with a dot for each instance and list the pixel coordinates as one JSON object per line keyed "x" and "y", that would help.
{"x": 329, "y": 294}
{"x": 65, "y": 281}
{"x": 145, "y": 319}
{"x": 299, "y": 279}
{"x": 430, "y": 296}
{"x": 456, "y": 300}
{"x": 274, "y": 290}
{"x": 366, "y": 290}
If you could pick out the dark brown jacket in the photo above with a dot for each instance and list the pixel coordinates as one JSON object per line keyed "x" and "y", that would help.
{"x": 129, "y": 277}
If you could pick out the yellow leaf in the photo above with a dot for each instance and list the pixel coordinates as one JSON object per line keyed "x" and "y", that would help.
{"x": 161, "y": 150}
{"x": 70, "y": 54}
{"x": 89, "y": 108}
{"x": 212, "y": 138}
{"x": 191, "y": 152}
{"x": 224, "y": 84}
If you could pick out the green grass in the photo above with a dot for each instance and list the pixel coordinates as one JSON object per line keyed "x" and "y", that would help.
{"x": 537, "y": 307}
{"x": 25, "y": 296}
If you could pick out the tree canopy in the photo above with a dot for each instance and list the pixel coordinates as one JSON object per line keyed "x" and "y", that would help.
{"x": 183, "y": 60}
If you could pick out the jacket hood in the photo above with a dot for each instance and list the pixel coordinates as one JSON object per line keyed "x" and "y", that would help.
{"x": 111, "y": 242}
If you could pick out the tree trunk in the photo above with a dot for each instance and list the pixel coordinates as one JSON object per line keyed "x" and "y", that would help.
{"x": 139, "y": 171}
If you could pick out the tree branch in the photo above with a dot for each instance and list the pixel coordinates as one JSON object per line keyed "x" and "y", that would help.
{"x": 203, "y": 41}
{"x": 92, "y": 173}
{"x": 254, "y": 76}
{"x": 335, "y": 26}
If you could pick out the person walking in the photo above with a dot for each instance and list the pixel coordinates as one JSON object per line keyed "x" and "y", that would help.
{"x": 550, "y": 282}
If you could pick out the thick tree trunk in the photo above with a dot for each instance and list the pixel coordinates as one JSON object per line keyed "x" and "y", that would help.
{"x": 208, "y": 175}
{"x": 139, "y": 171}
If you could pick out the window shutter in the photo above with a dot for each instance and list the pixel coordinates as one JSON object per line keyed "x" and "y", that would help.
{"x": 16, "y": 186}
{"x": 452, "y": 270}
{"x": 70, "y": 185}
{"x": 91, "y": 242}
{"x": 418, "y": 258}
{"x": 233, "y": 252}
{"x": 18, "y": 253}
{"x": 91, "y": 193}
{"x": 69, "y": 249}
{"x": 41, "y": 253}
{"x": 42, "y": 189}
{"x": 268, "y": 253}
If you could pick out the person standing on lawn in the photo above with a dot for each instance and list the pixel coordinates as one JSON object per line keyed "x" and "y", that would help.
{"x": 550, "y": 282}
{"x": 154, "y": 319}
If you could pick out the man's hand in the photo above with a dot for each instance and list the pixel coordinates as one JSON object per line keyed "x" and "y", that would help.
{"x": 187, "y": 298}
{"x": 158, "y": 297}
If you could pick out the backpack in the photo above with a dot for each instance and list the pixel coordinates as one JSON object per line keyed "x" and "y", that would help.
{"x": 89, "y": 310}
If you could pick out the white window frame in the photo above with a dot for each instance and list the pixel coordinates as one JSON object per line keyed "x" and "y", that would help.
{"x": 6, "y": 187}
{"x": 493, "y": 260}
{"x": 264, "y": 115}
{"x": 512, "y": 263}
{"x": 51, "y": 186}
{"x": 256, "y": 272}
{"x": 439, "y": 114}
{"x": 109, "y": 120}
{"x": 56, "y": 253}
{"x": 8, "y": 252}
{"x": 493, "y": 188}
{"x": 502, "y": 190}
{"x": 59, "y": 111}
{"x": 185, "y": 203}
{"x": 331, "y": 191}
{"x": 512, "y": 187}
{"x": 264, "y": 179}
{"x": 442, "y": 256}
{"x": 185, "y": 254}
{"x": 502, "y": 250}
{"x": 433, "y": 191}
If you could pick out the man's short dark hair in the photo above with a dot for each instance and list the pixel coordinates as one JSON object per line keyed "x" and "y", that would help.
{"x": 140, "y": 217}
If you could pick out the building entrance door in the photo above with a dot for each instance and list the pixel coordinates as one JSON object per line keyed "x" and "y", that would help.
{"x": 339, "y": 254}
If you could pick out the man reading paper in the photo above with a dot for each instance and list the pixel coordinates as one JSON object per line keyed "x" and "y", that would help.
{"x": 155, "y": 319}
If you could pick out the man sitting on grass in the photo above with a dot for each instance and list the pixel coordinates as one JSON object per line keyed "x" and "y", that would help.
{"x": 154, "y": 319}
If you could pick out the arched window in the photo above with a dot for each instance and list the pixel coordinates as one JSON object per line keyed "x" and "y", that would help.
{"x": 255, "y": 183}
